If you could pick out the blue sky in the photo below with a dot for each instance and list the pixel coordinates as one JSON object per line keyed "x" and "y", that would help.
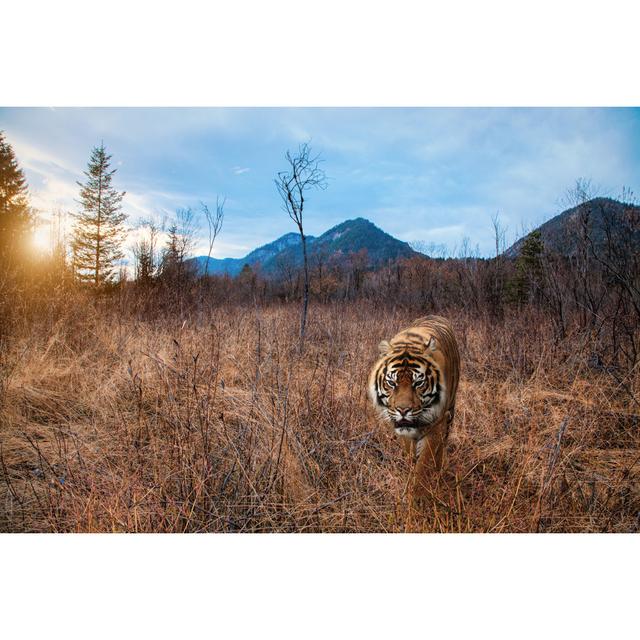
{"x": 431, "y": 175}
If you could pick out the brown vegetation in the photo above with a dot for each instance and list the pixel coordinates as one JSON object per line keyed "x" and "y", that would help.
{"x": 209, "y": 419}
{"x": 178, "y": 403}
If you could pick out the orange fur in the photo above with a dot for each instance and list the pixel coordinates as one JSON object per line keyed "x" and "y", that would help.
{"x": 413, "y": 385}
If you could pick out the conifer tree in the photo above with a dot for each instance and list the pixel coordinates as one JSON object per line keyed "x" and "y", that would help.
{"x": 145, "y": 254}
{"x": 15, "y": 214}
{"x": 99, "y": 230}
{"x": 179, "y": 244}
{"x": 172, "y": 258}
{"x": 528, "y": 269}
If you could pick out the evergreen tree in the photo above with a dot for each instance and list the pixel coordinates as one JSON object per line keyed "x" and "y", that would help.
{"x": 178, "y": 247}
{"x": 145, "y": 254}
{"x": 145, "y": 263}
{"x": 99, "y": 229}
{"x": 172, "y": 257}
{"x": 15, "y": 214}
{"x": 528, "y": 269}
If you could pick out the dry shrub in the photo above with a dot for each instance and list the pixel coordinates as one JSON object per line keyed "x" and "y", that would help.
{"x": 212, "y": 421}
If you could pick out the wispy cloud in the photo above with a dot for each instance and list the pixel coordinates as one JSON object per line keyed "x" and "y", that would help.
{"x": 431, "y": 175}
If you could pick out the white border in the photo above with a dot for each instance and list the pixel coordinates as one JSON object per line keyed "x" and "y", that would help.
{"x": 333, "y": 53}
{"x": 322, "y": 586}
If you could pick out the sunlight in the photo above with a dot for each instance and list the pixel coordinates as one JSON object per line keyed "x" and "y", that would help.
{"x": 41, "y": 238}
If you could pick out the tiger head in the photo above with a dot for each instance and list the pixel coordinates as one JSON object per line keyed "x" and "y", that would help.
{"x": 406, "y": 387}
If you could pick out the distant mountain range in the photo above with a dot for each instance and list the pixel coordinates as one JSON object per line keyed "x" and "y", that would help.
{"x": 343, "y": 240}
{"x": 561, "y": 234}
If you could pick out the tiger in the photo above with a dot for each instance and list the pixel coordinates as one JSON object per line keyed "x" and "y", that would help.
{"x": 413, "y": 387}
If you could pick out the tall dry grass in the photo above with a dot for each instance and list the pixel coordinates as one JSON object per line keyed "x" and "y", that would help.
{"x": 213, "y": 421}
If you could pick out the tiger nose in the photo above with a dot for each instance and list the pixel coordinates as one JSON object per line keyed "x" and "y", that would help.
{"x": 404, "y": 411}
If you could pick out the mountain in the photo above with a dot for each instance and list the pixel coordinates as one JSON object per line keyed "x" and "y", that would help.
{"x": 561, "y": 234}
{"x": 336, "y": 244}
{"x": 233, "y": 266}
{"x": 353, "y": 236}
{"x": 344, "y": 240}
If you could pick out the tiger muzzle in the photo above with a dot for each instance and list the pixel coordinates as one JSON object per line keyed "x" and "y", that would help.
{"x": 406, "y": 427}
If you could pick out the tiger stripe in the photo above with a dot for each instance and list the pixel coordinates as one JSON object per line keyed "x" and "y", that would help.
{"x": 414, "y": 382}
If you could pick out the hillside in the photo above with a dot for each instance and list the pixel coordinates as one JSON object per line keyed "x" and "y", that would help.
{"x": 561, "y": 233}
{"x": 336, "y": 244}
{"x": 344, "y": 240}
{"x": 233, "y": 266}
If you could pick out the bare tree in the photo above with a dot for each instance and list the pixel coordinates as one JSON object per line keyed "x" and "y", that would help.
{"x": 499, "y": 233}
{"x": 430, "y": 249}
{"x": 287, "y": 274}
{"x": 303, "y": 175}
{"x": 186, "y": 227}
{"x": 214, "y": 223}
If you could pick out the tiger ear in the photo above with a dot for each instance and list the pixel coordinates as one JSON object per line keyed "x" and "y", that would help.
{"x": 432, "y": 344}
{"x": 384, "y": 347}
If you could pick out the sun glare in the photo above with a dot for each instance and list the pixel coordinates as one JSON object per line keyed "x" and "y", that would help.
{"x": 40, "y": 239}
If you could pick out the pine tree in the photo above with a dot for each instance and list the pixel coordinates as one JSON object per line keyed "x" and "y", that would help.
{"x": 99, "y": 229}
{"x": 145, "y": 254}
{"x": 172, "y": 257}
{"x": 178, "y": 247}
{"x": 145, "y": 263}
{"x": 528, "y": 269}
{"x": 15, "y": 214}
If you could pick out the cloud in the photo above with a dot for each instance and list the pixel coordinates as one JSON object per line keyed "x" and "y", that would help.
{"x": 431, "y": 175}
{"x": 51, "y": 193}
{"x": 442, "y": 235}
{"x": 39, "y": 159}
{"x": 223, "y": 249}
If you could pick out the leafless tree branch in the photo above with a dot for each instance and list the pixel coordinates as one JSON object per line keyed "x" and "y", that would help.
{"x": 304, "y": 174}
{"x": 214, "y": 223}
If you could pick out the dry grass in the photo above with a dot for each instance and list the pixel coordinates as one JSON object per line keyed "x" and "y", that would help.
{"x": 215, "y": 423}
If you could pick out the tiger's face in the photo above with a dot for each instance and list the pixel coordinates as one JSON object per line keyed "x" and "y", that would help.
{"x": 407, "y": 390}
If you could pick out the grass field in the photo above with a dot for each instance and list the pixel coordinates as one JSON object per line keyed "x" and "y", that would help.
{"x": 214, "y": 422}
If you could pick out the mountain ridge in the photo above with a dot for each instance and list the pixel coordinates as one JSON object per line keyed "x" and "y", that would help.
{"x": 337, "y": 243}
{"x": 561, "y": 233}
{"x": 358, "y": 235}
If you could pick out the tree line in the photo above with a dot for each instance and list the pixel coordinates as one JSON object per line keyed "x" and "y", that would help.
{"x": 98, "y": 234}
{"x": 93, "y": 255}
{"x": 593, "y": 293}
